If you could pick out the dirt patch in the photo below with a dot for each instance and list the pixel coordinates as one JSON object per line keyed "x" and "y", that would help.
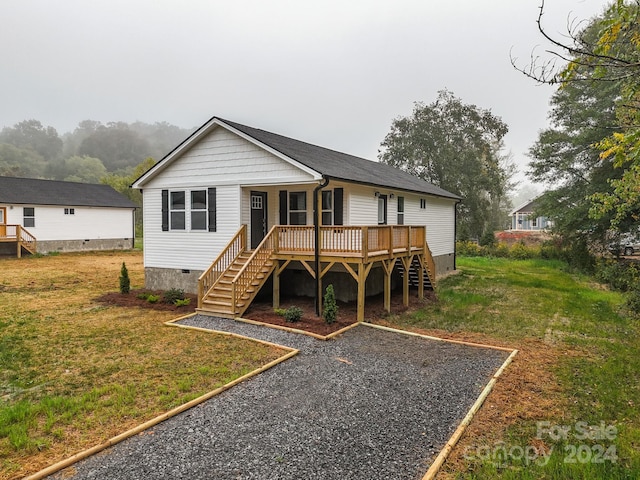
{"x": 134, "y": 299}
{"x": 347, "y": 312}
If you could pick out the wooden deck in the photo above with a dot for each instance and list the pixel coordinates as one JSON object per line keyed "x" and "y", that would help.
{"x": 20, "y": 236}
{"x": 233, "y": 280}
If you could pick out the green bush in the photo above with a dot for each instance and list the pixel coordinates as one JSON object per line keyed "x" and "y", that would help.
{"x": 501, "y": 250}
{"x": 633, "y": 300}
{"x": 488, "y": 239}
{"x": 172, "y": 295}
{"x": 293, "y": 314}
{"x": 619, "y": 275}
{"x": 152, "y": 298}
{"x": 182, "y": 303}
{"x": 125, "y": 283}
{"x": 470, "y": 249}
{"x": 279, "y": 311}
{"x": 143, "y": 296}
{"x": 519, "y": 251}
{"x": 330, "y": 307}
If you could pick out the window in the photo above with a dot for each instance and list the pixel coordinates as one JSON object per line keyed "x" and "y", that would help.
{"x": 297, "y": 208}
{"x": 423, "y": 203}
{"x": 400, "y": 210}
{"x": 199, "y": 210}
{"x": 534, "y": 222}
{"x": 327, "y": 207}
{"x": 69, "y": 211}
{"x": 382, "y": 210}
{"x": 29, "y": 217}
{"x": 177, "y": 210}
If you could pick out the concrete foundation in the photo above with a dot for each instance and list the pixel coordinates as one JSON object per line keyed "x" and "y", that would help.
{"x": 46, "y": 246}
{"x": 168, "y": 278}
{"x": 295, "y": 280}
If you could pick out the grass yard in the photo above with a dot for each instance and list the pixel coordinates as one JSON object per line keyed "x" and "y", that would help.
{"x": 568, "y": 406}
{"x": 74, "y": 373}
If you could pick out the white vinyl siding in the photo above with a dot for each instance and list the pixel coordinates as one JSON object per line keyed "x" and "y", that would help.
{"x": 224, "y": 158}
{"x": 193, "y": 250}
{"x": 87, "y": 223}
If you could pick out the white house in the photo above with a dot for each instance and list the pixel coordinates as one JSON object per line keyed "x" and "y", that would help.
{"x": 47, "y": 215}
{"x": 229, "y": 183}
{"x": 524, "y": 218}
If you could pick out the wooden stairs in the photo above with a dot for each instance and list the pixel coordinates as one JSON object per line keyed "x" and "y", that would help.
{"x": 428, "y": 279}
{"x": 219, "y": 299}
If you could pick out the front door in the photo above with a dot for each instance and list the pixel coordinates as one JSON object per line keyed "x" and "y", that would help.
{"x": 3, "y": 221}
{"x": 382, "y": 210}
{"x": 258, "y": 217}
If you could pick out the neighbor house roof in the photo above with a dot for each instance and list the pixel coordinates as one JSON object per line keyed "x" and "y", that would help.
{"x": 528, "y": 207}
{"x": 329, "y": 163}
{"x": 32, "y": 191}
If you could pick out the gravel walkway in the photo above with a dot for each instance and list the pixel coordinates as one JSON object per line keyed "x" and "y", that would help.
{"x": 370, "y": 404}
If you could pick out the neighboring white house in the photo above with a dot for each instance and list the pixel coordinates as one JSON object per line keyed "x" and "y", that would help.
{"x": 226, "y": 175}
{"x": 523, "y": 218}
{"x": 64, "y": 216}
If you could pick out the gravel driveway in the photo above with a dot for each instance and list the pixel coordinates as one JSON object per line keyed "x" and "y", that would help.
{"x": 370, "y": 404}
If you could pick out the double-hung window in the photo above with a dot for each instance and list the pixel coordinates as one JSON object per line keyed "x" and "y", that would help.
{"x": 177, "y": 207}
{"x": 400, "y": 210}
{"x": 28, "y": 217}
{"x": 327, "y": 207}
{"x": 198, "y": 210}
{"x": 297, "y": 208}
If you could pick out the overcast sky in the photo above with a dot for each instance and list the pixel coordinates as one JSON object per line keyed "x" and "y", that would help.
{"x": 331, "y": 72}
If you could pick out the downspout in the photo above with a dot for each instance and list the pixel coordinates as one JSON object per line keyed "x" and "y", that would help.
{"x": 316, "y": 228}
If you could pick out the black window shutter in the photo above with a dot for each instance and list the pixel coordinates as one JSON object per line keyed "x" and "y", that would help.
{"x": 165, "y": 210}
{"x": 337, "y": 206}
{"x": 283, "y": 208}
{"x": 212, "y": 209}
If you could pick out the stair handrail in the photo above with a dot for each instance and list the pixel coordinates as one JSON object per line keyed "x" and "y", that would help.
{"x": 231, "y": 252}
{"x": 24, "y": 237}
{"x": 262, "y": 251}
{"x": 431, "y": 264}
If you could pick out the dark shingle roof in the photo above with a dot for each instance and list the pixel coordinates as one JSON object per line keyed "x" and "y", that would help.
{"x": 33, "y": 191}
{"x": 342, "y": 166}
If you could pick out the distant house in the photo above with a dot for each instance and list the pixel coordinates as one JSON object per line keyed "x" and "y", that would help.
{"x": 45, "y": 215}
{"x": 233, "y": 206}
{"x": 522, "y": 218}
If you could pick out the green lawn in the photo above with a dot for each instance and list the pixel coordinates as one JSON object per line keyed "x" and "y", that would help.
{"x": 594, "y": 340}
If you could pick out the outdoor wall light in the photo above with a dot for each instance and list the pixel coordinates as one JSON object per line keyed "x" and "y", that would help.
{"x": 392, "y": 196}
{"x": 376, "y": 194}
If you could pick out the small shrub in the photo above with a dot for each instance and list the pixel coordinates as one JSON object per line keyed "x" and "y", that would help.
{"x": 501, "y": 250}
{"x": 143, "y": 295}
{"x": 279, "y": 311}
{"x": 330, "y": 307}
{"x": 182, "y": 303}
{"x": 488, "y": 239}
{"x": 170, "y": 296}
{"x": 125, "y": 283}
{"x": 469, "y": 249}
{"x": 520, "y": 252}
{"x": 153, "y": 298}
{"x": 293, "y": 314}
{"x": 633, "y": 301}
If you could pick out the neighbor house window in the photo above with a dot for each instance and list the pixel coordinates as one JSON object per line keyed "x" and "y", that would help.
{"x": 199, "y": 210}
{"x": 177, "y": 210}
{"x": 69, "y": 211}
{"x": 297, "y": 208}
{"x": 534, "y": 222}
{"x": 327, "y": 207}
{"x": 28, "y": 217}
{"x": 400, "y": 210}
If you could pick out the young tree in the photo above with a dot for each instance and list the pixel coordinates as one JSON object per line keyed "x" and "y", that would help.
{"x": 457, "y": 147}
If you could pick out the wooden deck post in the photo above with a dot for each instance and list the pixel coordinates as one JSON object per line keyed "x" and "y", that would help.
{"x": 276, "y": 285}
{"x": 388, "y": 270}
{"x": 362, "y": 278}
{"x": 18, "y": 241}
{"x": 406, "y": 263}
{"x": 421, "y": 279}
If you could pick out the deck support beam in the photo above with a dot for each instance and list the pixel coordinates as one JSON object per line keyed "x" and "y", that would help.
{"x": 387, "y": 265}
{"x": 406, "y": 263}
{"x": 276, "y": 285}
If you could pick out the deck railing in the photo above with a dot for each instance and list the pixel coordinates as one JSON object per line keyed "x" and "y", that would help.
{"x": 17, "y": 233}
{"x": 358, "y": 241}
{"x": 235, "y": 247}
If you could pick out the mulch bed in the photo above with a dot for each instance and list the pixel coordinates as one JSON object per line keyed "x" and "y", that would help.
{"x": 131, "y": 300}
{"x": 262, "y": 311}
